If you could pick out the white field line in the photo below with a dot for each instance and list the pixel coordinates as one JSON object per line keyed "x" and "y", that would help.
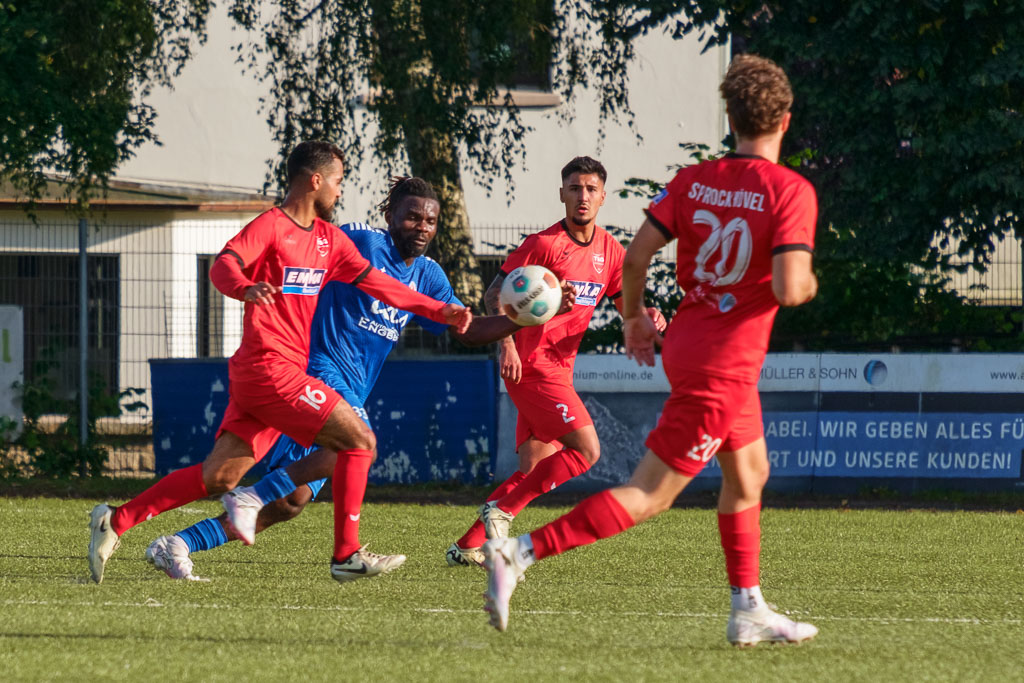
{"x": 969, "y": 621}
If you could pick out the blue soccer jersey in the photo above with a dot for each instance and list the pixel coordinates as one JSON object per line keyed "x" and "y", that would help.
{"x": 353, "y": 333}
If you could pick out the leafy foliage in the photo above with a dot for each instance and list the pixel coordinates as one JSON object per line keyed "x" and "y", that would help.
{"x": 909, "y": 120}
{"x": 74, "y": 81}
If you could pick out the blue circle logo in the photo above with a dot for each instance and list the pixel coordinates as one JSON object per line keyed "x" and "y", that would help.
{"x": 875, "y": 372}
{"x": 726, "y": 303}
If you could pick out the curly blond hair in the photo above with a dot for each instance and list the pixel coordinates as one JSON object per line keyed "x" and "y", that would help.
{"x": 757, "y": 94}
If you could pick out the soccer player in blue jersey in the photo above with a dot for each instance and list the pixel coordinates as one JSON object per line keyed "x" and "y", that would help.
{"x": 352, "y": 334}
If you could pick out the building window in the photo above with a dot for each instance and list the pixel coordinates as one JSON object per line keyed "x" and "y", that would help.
{"x": 209, "y": 311}
{"x": 46, "y": 288}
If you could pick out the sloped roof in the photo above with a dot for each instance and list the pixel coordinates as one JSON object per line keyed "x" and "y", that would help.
{"x": 140, "y": 195}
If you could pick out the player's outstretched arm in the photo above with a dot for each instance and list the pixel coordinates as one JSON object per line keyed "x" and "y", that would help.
{"x": 227, "y": 276}
{"x": 793, "y": 278}
{"x": 394, "y": 293}
{"x": 640, "y": 335}
{"x": 486, "y": 329}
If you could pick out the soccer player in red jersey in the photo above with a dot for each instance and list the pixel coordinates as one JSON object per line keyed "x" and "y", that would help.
{"x": 745, "y": 232}
{"x": 277, "y": 265}
{"x": 555, "y": 436}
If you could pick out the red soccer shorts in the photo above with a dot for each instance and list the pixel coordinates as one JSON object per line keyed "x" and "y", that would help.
{"x": 703, "y": 415}
{"x": 548, "y": 410}
{"x": 275, "y": 398}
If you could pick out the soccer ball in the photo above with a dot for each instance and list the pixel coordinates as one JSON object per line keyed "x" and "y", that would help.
{"x": 530, "y": 295}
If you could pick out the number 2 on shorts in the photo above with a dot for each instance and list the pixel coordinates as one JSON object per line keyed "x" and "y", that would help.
{"x": 566, "y": 418}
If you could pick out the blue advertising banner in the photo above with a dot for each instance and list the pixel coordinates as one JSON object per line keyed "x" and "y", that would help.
{"x": 937, "y": 445}
{"x": 434, "y": 419}
{"x": 832, "y": 421}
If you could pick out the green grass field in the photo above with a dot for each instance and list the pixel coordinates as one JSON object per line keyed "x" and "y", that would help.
{"x": 905, "y": 595}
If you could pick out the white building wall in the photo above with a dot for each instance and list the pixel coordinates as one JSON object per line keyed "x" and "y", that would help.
{"x": 213, "y": 132}
{"x": 158, "y": 276}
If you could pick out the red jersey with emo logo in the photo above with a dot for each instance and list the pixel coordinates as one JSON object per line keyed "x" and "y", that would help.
{"x": 593, "y": 268}
{"x": 731, "y": 216}
{"x": 273, "y": 248}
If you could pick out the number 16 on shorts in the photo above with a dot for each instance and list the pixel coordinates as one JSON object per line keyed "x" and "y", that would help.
{"x": 314, "y": 397}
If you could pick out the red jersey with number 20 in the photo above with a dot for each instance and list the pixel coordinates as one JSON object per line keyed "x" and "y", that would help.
{"x": 273, "y": 248}
{"x": 594, "y": 269}
{"x": 730, "y": 216}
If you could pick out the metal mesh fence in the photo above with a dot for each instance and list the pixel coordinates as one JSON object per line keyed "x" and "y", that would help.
{"x": 149, "y": 297}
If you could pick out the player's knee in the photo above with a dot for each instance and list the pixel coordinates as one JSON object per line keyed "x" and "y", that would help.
{"x": 220, "y": 480}
{"x": 361, "y": 438}
{"x": 592, "y": 453}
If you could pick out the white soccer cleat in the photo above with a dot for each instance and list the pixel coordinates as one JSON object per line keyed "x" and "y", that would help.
{"x": 750, "y": 627}
{"x": 464, "y": 557}
{"x": 503, "y": 574}
{"x": 103, "y": 540}
{"x": 362, "y": 563}
{"x": 242, "y": 506}
{"x": 495, "y": 520}
{"x": 170, "y": 554}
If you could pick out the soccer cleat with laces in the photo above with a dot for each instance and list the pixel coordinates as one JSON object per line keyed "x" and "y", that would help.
{"x": 170, "y": 554}
{"x": 242, "y": 506}
{"x": 464, "y": 557}
{"x": 503, "y": 574}
{"x": 750, "y": 627}
{"x": 495, "y": 520}
{"x": 103, "y": 540}
{"x": 362, "y": 563}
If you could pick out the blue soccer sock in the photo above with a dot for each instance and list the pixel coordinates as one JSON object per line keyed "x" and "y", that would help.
{"x": 205, "y": 535}
{"x": 275, "y": 485}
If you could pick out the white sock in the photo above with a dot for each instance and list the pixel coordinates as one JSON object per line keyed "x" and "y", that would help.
{"x": 525, "y": 556}
{"x": 749, "y": 599}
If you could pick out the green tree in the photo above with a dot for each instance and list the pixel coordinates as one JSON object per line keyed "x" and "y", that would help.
{"x": 909, "y": 120}
{"x": 434, "y": 77}
{"x": 75, "y": 75}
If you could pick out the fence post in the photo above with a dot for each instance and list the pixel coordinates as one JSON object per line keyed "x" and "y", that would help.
{"x": 83, "y": 340}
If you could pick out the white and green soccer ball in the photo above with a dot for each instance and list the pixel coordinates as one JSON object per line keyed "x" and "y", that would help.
{"x": 530, "y": 295}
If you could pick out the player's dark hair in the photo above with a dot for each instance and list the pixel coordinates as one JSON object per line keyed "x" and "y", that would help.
{"x": 585, "y": 165}
{"x": 757, "y": 95}
{"x": 404, "y": 186}
{"x": 312, "y": 156}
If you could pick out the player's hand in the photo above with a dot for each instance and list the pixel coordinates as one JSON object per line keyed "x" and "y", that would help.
{"x": 657, "y": 318}
{"x": 261, "y": 293}
{"x": 509, "y": 364}
{"x": 459, "y": 317}
{"x": 641, "y": 336}
{"x": 568, "y": 297}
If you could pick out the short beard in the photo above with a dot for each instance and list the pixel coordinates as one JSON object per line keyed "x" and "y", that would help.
{"x": 580, "y": 221}
{"x": 323, "y": 212}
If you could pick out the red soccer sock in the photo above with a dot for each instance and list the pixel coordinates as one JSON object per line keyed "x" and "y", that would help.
{"x": 741, "y": 541}
{"x": 174, "y": 490}
{"x": 475, "y": 537}
{"x": 348, "y": 486}
{"x": 552, "y": 471}
{"x": 599, "y": 516}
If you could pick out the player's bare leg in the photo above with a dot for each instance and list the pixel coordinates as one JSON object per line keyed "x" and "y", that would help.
{"x": 580, "y": 450}
{"x": 751, "y": 621}
{"x": 344, "y": 430}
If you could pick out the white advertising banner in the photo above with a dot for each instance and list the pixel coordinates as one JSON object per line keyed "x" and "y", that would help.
{"x": 996, "y": 373}
{"x": 12, "y": 361}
